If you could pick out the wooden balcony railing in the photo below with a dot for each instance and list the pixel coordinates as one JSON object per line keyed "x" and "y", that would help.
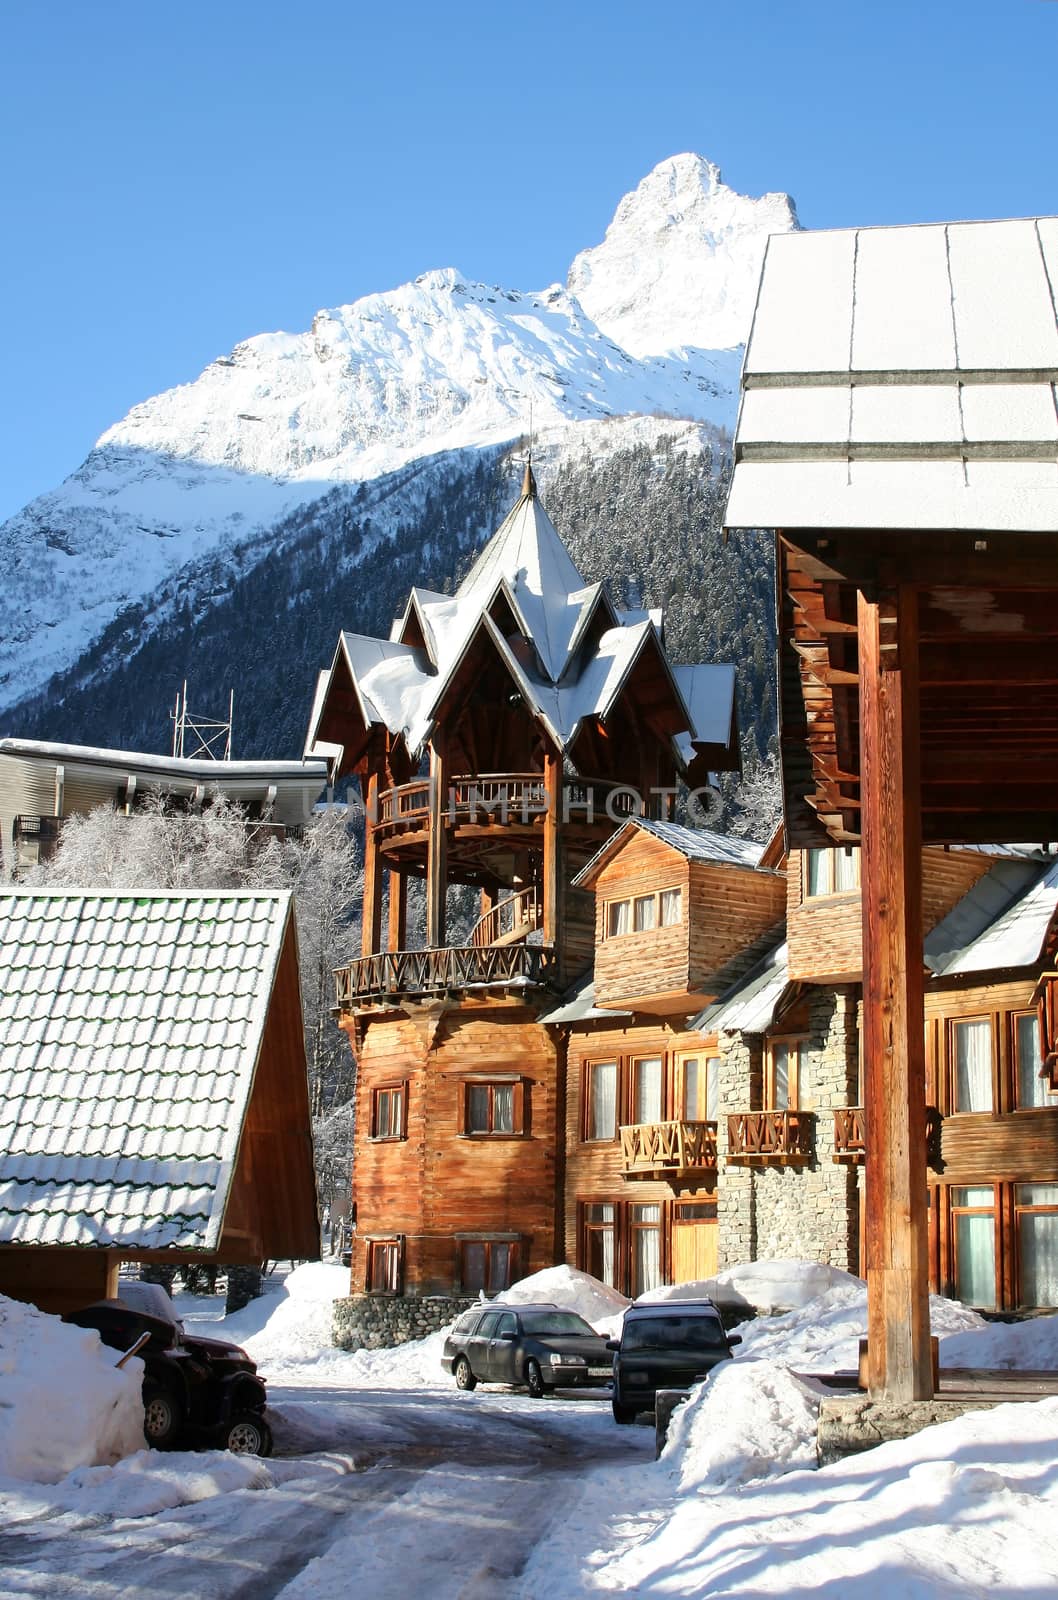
{"x": 502, "y": 797}
{"x": 764, "y": 1138}
{"x": 415, "y": 974}
{"x": 667, "y": 1149}
{"x": 850, "y": 1134}
{"x": 510, "y": 920}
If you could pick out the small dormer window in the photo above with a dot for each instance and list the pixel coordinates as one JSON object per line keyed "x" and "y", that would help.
{"x": 642, "y": 913}
{"x": 831, "y": 872}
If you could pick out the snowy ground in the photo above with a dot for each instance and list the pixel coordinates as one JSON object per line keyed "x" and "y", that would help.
{"x": 387, "y": 1481}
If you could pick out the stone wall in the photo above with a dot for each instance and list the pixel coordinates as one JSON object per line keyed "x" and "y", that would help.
{"x": 810, "y": 1211}
{"x": 378, "y": 1321}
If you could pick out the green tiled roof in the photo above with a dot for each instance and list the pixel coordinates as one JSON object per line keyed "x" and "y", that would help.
{"x": 129, "y": 1031}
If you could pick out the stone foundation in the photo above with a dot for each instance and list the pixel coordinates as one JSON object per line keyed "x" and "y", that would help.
{"x": 849, "y": 1426}
{"x": 379, "y": 1321}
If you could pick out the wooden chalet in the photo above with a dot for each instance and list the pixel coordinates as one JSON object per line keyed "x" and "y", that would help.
{"x": 498, "y": 736}
{"x": 153, "y": 1097}
{"x": 679, "y": 913}
{"x": 898, "y": 429}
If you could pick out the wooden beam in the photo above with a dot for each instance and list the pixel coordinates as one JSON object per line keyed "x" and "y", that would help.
{"x": 398, "y": 910}
{"x": 553, "y": 791}
{"x": 899, "y": 1365}
{"x": 371, "y": 928}
{"x": 437, "y": 848}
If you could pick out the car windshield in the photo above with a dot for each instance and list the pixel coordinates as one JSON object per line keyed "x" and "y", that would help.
{"x": 673, "y": 1333}
{"x": 544, "y": 1323}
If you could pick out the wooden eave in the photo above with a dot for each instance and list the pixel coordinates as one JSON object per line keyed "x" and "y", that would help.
{"x": 988, "y": 664}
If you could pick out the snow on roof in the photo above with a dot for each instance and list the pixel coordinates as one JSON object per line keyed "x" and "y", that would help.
{"x": 697, "y": 844}
{"x": 902, "y": 378}
{"x": 1016, "y": 938}
{"x": 579, "y": 1006}
{"x": 130, "y": 1027}
{"x": 314, "y": 772}
{"x": 709, "y": 695}
{"x": 750, "y": 1006}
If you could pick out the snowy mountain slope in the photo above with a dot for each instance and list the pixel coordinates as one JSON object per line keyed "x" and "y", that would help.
{"x": 205, "y": 472}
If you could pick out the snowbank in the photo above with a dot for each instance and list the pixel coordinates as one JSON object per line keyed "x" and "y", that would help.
{"x": 291, "y": 1324}
{"x": 751, "y": 1420}
{"x": 1026, "y": 1346}
{"x": 63, "y": 1403}
{"x": 762, "y": 1286}
{"x": 576, "y": 1291}
{"x": 824, "y": 1334}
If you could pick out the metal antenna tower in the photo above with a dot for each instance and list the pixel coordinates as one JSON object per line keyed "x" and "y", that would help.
{"x": 200, "y": 738}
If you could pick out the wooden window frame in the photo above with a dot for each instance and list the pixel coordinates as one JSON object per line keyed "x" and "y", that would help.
{"x": 393, "y": 1246}
{"x": 794, "y": 1044}
{"x": 679, "y": 1086}
{"x": 830, "y": 852}
{"x": 631, "y": 901}
{"x": 664, "y": 1098}
{"x": 400, "y": 1091}
{"x": 1017, "y": 1212}
{"x": 519, "y": 1108}
{"x": 951, "y": 1067}
{"x": 624, "y": 1229}
{"x": 996, "y": 1211}
{"x": 489, "y": 1242}
{"x": 1012, "y": 1018}
{"x": 587, "y": 1071}
{"x": 586, "y": 1227}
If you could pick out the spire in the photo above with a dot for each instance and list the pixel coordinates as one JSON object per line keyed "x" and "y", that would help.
{"x": 529, "y": 482}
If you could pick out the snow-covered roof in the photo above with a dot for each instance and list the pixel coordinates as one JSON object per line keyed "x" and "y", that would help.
{"x": 697, "y": 844}
{"x": 525, "y": 573}
{"x": 902, "y": 378}
{"x": 130, "y": 1029}
{"x": 749, "y": 1007}
{"x": 312, "y": 772}
{"x": 1016, "y": 937}
{"x": 579, "y": 1006}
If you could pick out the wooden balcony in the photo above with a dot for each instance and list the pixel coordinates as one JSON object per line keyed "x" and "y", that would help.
{"x": 769, "y": 1138}
{"x": 850, "y": 1135}
{"x": 396, "y": 975}
{"x": 509, "y": 799}
{"x": 668, "y": 1149}
{"x": 35, "y": 838}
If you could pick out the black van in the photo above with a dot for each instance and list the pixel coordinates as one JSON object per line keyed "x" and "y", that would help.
{"x": 669, "y": 1344}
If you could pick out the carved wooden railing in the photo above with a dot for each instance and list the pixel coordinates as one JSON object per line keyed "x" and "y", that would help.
{"x": 502, "y": 797}
{"x": 419, "y": 973}
{"x": 759, "y": 1138}
{"x": 850, "y": 1134}
{"x": 666, "y": 1149}
{"x": 510, "y": 920}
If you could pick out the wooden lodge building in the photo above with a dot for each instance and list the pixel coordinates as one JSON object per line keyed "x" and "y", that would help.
{"x": 646, "y": 1058}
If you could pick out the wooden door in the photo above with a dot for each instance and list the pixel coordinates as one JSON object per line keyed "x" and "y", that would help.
{"x": 694, "y": 1251}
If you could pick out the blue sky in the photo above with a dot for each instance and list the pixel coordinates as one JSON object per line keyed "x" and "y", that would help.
{"x": 176, "y": 175}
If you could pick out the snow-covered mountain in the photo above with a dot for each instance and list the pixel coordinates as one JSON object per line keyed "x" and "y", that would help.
{"x": 649, "y": 325}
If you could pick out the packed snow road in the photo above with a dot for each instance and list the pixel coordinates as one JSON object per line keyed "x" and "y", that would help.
{"x": 392, "y": 1491}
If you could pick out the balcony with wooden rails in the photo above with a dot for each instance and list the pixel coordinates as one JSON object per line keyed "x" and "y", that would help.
{"x": 769, "y": 1138}
{"x": 850, "y": 1135}
{"x": 394, "y": 976}
{"x": 505, "y": 799}
{"x": 668, "y": 1150}
{"x": 35, "y": 838}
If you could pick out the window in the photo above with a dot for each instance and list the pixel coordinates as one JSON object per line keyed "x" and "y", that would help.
{"x": 662, "y": 908}
{"x": 493, "y": 1108}
{"x": 1036, "y": 1218}
{"x": 830, "y": 872}
{"x": 971, "y": 1047}
{"x": 782, "y": 1075}
{"x": 486, "y": 1265}
{"x": 601, "y": 1106}
{"x": 698, "y": 1091}
{"x": 647, "y": 1089}
{"x": 1030, "y": 1089}
{"x": 383, "y": 1266}
{"x": 973, "y": 1212}
{"x": 388, "y": 1112}
{"x": 598, "y": 1226}
{"x": 645, "y": 1224}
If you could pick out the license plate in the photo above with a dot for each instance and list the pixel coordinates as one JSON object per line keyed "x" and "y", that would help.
{"x": 600, "y": 1372}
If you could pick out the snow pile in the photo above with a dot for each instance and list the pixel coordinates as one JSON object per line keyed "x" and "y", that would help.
{"x": 1024, "y": 1346}
{"x": 573, "y": 1290}
{"x": 762, "y": 1286}
{"x": 824, "y": 1335}
{"x": 63, "y": 1403}
{"x": 750, "y": 1420}
{"x": 149, "y": 1482}
{"x": 292, "y": 1326}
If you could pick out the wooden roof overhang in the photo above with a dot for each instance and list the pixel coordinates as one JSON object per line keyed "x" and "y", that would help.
{"x": 986, "y": 606}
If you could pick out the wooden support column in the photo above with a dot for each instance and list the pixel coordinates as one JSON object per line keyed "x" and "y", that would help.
{"x": 371, "y": 928}
{"x": 437, "y": 848}
{"x": 549, "y": 887}
{"x": 398, "y": 910}
{"x": 899, "y": 1365}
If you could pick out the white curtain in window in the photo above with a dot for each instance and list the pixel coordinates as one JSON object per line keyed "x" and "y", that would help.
{"x": 647, "y": 1106}
{"x": 712, "y": 1089}
{"x": 397, "y": 1114}
{"x": 975, "y": 1246}
{"x": 973, "y": 1066}
{"x": 1032, "y": 1090}
{"x": 503, "y": 1108}
{"x": 646, "y": 913}
{"x": 620, "y": 917}
{"x": 818, "y": 872}
{"x": 1038, "y": 1255}
{"x": 845, "y": 871}
{"x": 647, "y": 1262}
{"x": 780, "y": 1059}
{"x": 602, "y": 1115}
{"x": 671, "y": 907}
{"x": 692, "y": 1089}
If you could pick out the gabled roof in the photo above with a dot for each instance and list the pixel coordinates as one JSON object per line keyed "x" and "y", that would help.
{"x": 1015, "y": 937}
{"x": 696, "y": 844}
{"x": 132, "y": 1031}
{"x": 900, "y": 378}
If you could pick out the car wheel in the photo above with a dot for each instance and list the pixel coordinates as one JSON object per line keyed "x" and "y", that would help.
{"x": 161, "y": 1415}
{"x": 622, "y": 1413}
{"x": 461, "y": 1372}
{"x": 247, "y": 1435}
{"x": 534, "y": 1380}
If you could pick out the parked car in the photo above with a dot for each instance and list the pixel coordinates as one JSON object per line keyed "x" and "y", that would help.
{"x": 540, "y": 1346}
{"x": 669, "y": 1344}
{"x": 196, "y": 1392}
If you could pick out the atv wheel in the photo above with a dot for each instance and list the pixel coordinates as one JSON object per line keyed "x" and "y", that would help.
{"x": 465, "y": 1379}
{"x": 161, "y": 1416}
{"x": 247, "y": 1435}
